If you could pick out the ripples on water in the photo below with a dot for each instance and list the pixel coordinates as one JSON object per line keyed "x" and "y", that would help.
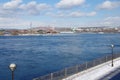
{"x": 39, "y": 55}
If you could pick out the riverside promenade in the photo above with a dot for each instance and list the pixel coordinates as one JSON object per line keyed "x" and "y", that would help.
{"x": 98, "y": 72}
{"x": 98, "y": 69}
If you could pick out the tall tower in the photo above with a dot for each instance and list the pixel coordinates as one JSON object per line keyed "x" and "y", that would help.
{"x": 31, "y": 32}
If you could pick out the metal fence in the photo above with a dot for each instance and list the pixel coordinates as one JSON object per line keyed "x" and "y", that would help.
{"x": 75, "y": 69}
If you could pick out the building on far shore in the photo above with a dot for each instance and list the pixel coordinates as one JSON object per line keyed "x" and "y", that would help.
{"x": 57, "y": 30}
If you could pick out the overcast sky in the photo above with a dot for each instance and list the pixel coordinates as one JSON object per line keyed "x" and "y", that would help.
{"x": 59, "y": 13}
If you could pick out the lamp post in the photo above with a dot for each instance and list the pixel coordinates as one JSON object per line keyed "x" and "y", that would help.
{"x": 112, "y": 46}
{"x": 12, "y": 68}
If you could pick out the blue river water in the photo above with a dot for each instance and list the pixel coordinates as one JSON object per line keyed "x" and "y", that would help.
{"x": 40, "y": 55}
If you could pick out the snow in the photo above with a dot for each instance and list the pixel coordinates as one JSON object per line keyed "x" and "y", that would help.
{"x": 96, "y": 72}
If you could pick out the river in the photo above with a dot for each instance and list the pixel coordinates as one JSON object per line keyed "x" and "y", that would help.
{"x": 40, "y": 55}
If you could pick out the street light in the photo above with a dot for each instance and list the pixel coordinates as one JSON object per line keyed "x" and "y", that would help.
{"x": 12, "y": 68}
{"x": 112, "y": 46}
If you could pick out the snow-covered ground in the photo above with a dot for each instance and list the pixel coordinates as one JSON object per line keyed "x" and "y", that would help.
{"x": 96, "y": 72}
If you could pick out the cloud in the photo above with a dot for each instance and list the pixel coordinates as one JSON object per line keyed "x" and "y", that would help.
{"x": 34, "y": 8}
{"x": 13, "y": 4}
{"x": 91, "y": 13}
{"x": 108, "y": 21}
{"x": 75, "y": 14}
{"x": 19, "y": 23}
{"x": 10, "y": 9}
{"x": 10, "y": 13}
{"x": 109, "y": 5}
{"x": 80, "y": 14}
{"x": 17, "y": 7}
{"x": 112, "y": 20}
{"x": 69, "y": 3}
{"x": 116, "y": 18}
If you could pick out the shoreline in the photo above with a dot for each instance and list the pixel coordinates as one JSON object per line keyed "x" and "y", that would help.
{"x": 58, "y": 34}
